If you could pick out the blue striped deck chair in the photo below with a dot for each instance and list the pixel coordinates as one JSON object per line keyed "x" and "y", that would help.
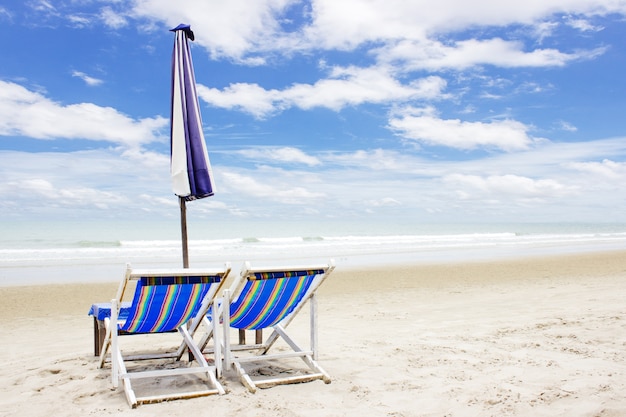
{"x": 164, "y": 301}
{"x": 270, "y": 298}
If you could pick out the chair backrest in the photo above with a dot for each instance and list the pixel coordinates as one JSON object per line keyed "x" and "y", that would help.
{"x": 164, "y": 303}
{"x": 268, "y": 297}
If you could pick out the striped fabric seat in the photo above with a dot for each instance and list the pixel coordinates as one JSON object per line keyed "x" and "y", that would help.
{"x": 162, "y": 304}
{"x": 269, "y": 297}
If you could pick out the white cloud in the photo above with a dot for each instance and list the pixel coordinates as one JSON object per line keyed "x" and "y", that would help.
{"x": 433, "y": 55}
{"x": 346, "y": 87}
{"x": 87, "y": 79}
{"x": 353, "y": 86}
{"x": 42, "y": 6}
{"x": 26, "y": 113}
{"x": 5, "y": 13}
{"x": 566, "y": 126}
{"x": 507, "y": 185}
{"x": 607, "y": 168}
{"x": 542, "y": 30}
{"x": 74, "y": 197}
{"x": 532, "y": 87}
{"x": 231, "y": 28}
{"x": 384, "y": 160}
{"x": 288, "y": 155}
{"x": 112, "y": 19}
{"x": 272, "y": 188}
{"x": 349, "y": 23}
{"x": 583, "y": 25}
{"x": 250, "y": 98}
{"x": 424, "y": 126}
{"x": 387, "y": 201}
{"x": 79, "y": 21}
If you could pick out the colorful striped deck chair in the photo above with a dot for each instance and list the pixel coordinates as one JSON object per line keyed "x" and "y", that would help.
{"x": 270, "y": 298}
{"x": 165, "y": 301}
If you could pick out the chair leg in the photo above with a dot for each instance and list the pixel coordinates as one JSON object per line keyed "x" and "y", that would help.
{"x": 217, "y": 339}
{"x": 96, "y": 338}
{"x": 226, "y": 331}
{"x": 313, "y": 325}
{"x": 116, "y": 356}
{"x": 130, "y": 394}
{"x": 106, "y": 344}
{"x": 258, "y": 336}
{"x": 245, "y": 378}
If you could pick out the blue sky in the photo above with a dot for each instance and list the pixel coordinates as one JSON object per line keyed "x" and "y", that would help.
{"x": 370, "y": 110}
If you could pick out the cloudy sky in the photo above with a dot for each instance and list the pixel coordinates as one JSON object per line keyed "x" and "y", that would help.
{"x": 323, "y": 109}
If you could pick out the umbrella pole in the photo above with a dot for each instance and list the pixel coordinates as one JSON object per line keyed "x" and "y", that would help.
{"x": 183, "y": 230}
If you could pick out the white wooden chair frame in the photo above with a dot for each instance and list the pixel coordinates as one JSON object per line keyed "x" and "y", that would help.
{"x": 309, "y": 356}
{"x": 119, "y": 370}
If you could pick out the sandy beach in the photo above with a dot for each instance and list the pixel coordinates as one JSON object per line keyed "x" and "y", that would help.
{"x": 542, "y": 336}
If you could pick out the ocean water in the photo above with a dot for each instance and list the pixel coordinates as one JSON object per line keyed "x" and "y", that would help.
{"x": 60, "y": 252}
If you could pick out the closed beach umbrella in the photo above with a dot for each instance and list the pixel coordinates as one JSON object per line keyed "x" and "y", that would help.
{"x": 190, "y": 168}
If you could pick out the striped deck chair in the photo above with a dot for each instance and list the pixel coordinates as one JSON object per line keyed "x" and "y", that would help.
{"x": 164, "y": 301}
{"x": 270, "y": 298}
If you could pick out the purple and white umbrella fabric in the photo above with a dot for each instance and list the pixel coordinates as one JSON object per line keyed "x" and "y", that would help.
{"x": 190, "y": 168}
